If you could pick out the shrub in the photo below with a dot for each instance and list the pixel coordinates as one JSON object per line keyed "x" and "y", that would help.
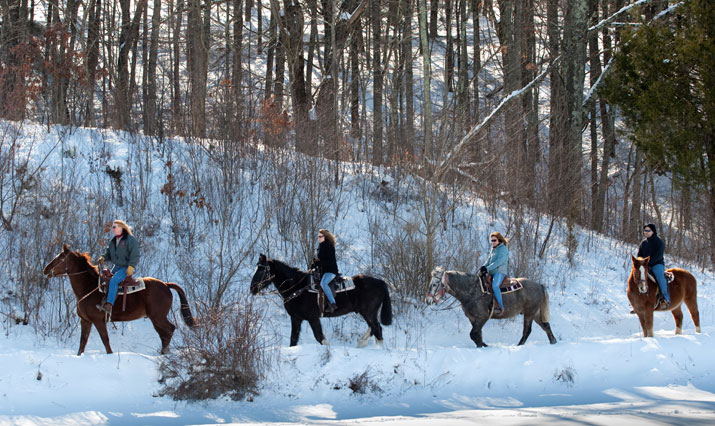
{"x": 224, "y": 355}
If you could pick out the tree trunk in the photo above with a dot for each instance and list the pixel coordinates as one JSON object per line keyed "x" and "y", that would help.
{"x": 237, "y": 66}
{"x": 426, "y": 73}
{"x": 409, "y": 77}
{"x": 557, "y": 117}
{"x": 95, "y": 19}
{"x": 477, "y": 60}
{"x": 176, "y": 100}
{"x": 150, "y": 105}
{"x": 127, "y": 40}
{"x": 377, "y": 84}
{"x": 574, "y": 72}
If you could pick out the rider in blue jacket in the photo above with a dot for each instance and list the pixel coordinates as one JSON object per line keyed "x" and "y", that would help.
{"x": 496, "y": 265}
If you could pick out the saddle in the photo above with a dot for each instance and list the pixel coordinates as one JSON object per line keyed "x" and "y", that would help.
{"x": 129, "y": 285}
{"x": 339, "y": 284}
{"x": 509, "y": 284}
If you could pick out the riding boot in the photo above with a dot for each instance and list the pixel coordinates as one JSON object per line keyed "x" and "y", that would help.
{"x": 106, "y": 308}
{"x": 329, "y": 307}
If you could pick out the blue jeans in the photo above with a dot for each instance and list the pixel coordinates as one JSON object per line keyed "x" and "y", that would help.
{"x": 327, "y": 277}
{"x": 497, "y": 279}
{"x": 659, "y": 274}
{"x": 120, "y": 272}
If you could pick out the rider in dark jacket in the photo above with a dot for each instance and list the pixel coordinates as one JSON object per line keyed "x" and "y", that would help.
{"x": 654, "y": 247}
{"x": 123, "y": 252}
{"x": 327, "y": 265}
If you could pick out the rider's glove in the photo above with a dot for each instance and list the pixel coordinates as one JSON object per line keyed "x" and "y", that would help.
{"x": 130, "y": 270}
{"x": 101, "y": 259}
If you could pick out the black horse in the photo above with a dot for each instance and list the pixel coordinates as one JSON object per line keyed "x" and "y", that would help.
{"x": 302, "y": 305}
{"x": 532, "y": 300}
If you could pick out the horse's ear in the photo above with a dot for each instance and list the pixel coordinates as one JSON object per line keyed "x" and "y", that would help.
{"x": 66, "y": 248}
{"x": 646, "y": 260}
{"x": 633, "y": 259}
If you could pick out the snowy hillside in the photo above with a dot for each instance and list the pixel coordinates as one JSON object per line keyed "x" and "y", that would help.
{"x": 601, "y": 371}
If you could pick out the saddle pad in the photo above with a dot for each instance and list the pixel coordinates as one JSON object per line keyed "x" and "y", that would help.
{"x": 138, "y": 286}
{"x": 513, "y": 285}
{"x": 344, "y": 285}
{"x": 669, "y": 277}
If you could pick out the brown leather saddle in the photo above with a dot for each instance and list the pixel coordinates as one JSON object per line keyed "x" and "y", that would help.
{"x": 127, "y": 286}
{"x": 507, "y": 284}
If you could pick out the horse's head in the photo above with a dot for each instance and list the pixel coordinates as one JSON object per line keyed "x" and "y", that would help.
{"x": 437, "y": 286}
{"x": 639, "y": 273}
{"x": 58, "y": 265}
{"x": 262, "y": 276}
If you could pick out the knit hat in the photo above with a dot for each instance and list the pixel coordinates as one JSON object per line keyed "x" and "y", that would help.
{"x": 651, "y": 227}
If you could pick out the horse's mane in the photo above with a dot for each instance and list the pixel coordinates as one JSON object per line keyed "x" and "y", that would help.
{"x": 463, "y": 280}
{"x": 284, "y": 266}
{"x": 87, "y": 259}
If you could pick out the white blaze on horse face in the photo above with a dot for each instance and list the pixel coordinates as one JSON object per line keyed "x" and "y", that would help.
{"x": 433, "y": 296}
{"x": 643, "y": 282}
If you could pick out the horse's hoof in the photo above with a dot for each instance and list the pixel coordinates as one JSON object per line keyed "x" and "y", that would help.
{"x": 324, "y": 342}
{"x": 362, "y": 343}
{"x": 697, "y": 329}
{"x": 678, "y": 330}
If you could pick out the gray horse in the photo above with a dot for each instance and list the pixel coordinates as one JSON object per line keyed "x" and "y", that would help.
{"x": 532, "y": 300}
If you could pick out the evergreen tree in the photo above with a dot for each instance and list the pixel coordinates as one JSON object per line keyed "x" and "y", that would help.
{"x": 664, "y": 86}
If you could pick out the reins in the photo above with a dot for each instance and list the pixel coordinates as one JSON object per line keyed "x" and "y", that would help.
{"x": 291, "y": 296}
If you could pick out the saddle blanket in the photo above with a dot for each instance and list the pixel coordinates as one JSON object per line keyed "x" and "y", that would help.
{"x": 513, "y": 285}
{"x": 128, "y": 289}
{"x": 669, "y": 277}
{"x": 341, "y": 284}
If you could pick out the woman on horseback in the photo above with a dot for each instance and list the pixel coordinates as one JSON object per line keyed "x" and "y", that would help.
{"x": 654, "y": 247}
{"x": 327, "y": 265}
{"x": 496, "y": 265}
{"x": 123, "y": 252}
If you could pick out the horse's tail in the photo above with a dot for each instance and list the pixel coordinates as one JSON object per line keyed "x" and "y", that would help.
{"x": 185, "y": 310}
{"x": 386, "y": 311}
{"x": 544, "y": 312}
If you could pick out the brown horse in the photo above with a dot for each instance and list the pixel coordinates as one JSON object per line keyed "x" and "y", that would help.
{"x": 153, "y": 302}
{"x": 643, "y": 294}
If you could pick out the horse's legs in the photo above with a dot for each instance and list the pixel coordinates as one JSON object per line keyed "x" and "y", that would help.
{"x": 476, "y": 333}
{"x": 317, "y": 331}
{"x": 547, "y": 328}
{"x": 295, "y": 323}
{"x": 641, "y": 318}
{"x": 375, "y": 328}
{"x": 365, "y": 338}
{"x": 165, "y": 329}
{"x": 648, "y": 322}
{"x": 691, "y": 301}
{"x": 527, "y": 328}
{"x": 84, "y": 335}
{"x": 101, "y": 327}
{"x": 678, "y": 317}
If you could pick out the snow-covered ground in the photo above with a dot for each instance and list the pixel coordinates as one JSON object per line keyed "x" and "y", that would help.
{"x": 601, "y": 371}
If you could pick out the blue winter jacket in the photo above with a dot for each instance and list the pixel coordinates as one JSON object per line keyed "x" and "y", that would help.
{"x": 498, "y": 259}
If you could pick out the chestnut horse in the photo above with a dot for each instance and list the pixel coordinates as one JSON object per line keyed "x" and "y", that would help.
{"x": 153, "y": 302}
{"x": 643, "y": 294}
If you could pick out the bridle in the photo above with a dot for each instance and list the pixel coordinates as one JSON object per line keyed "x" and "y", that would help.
{"x": 267, "y": 273}
{"x": 439, "y": 294}
{"x": 67, "y": 270}
{"x": 266, "y": 268}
